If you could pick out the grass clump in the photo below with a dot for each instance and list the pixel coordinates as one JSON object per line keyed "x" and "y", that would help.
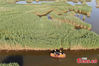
{"x": 10, "y": 64}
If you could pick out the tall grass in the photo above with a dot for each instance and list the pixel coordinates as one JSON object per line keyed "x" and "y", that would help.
{"x": 29, "y": 30}
{"x": 11, "y": 1}
{"x": 97, "y": 3}
{"x": 61, "y": 0}
{"x": 43, "y": 11}
{"x": 29, "y": 1}
{"x": 83, "y": 40}
{"x": 37, "y": 0}
{"x": 83, "y": 9}
{"x": 57, "y": 0}
{"x": 75, "y": 1}
{"x": 88, "y": 0}
{"x": 19, "y": 26}
{"x": 71, "y": 19}
{"x": 80, "y": 1}
{"x": 17, "y": 0}
{"x": 3, "y": 2}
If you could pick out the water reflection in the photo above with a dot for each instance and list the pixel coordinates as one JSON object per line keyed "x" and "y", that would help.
{"x": 94, "y": 18}
{"x": 34, "y": 2}
{"x": 13, "y": 59}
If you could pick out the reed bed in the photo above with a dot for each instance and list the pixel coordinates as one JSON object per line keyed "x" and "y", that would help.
{"x": 17, "y": 0}
{"x": 29, "y": 30}
{"x": 35, "y": 33}
{"x": 71, "y": 13}
{"x": 80, "y": 0}
{"x": 97, "y": 3}
{"x": 10, "y": 64}
{"x": 3, "y": 2}
{"x": 59, "y": 4}
{"x": 60, "y": 9}
{"x": 11, "y": 1}
{"x": 21, "y": 28}
{"x": 83, "y": 9}
{"x": 60, "y": 0}
{"x": 84, "y": 40}
{"x": 84, "y": 17}
{"x": 43, "y": 11}
{"x": 57, "y": 11}
{"x": 29, "y": 1}
{"x": 88, "y": 0}
{"x": 75, "y": 1}
{"x": 71, "y": 19}
{"x": 37, "y": 0}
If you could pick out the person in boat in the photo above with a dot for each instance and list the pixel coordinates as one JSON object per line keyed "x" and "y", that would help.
{"x": 58, "y": 52}
{"x": 61, "y": 50}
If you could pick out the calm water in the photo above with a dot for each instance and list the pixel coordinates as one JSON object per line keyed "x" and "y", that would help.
{"x": 43, "y": 58}
{"x": 94, "y": 18}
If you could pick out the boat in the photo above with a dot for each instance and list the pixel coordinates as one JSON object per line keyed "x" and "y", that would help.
{"x": 57, "y": 56}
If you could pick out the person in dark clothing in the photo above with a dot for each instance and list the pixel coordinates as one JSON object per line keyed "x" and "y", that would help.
{"x": 52, "y": 51}
{"x": 61, "y": 50}
{"x": 57, "y": 51}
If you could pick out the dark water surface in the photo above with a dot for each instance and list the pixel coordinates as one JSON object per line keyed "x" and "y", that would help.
{"x": 94, "y": 18}
{"x": 42, "y": 58}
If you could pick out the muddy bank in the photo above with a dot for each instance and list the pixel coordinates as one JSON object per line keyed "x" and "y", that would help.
{"x": 45, "y": 52}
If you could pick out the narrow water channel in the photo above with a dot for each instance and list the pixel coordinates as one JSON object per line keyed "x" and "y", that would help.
{"x": 94, "y": 17}
{"x": 42, "y": 58}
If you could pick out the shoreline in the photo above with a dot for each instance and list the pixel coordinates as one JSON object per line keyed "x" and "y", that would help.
{"x": 28, "y": 52}
{"x": 65, "y": 49}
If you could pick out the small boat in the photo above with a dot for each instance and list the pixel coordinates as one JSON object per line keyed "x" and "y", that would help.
{"x": 58, "y": 56}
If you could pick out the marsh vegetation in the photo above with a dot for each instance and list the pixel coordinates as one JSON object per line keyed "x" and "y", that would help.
{"x": 97, "y": 3}
{"x": 28, "y": 27}
{"x": 9, "y": 64}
